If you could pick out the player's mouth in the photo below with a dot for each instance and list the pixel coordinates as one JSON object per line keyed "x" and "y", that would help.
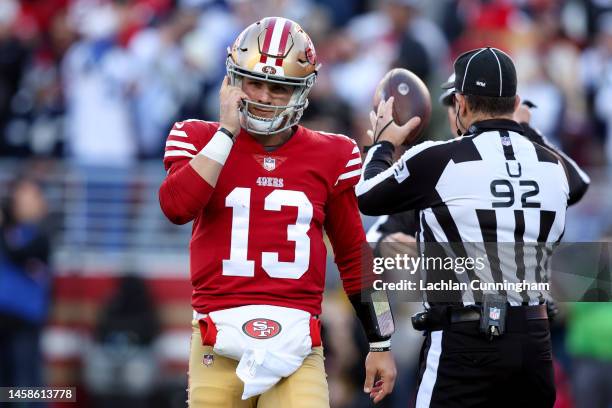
{"x": 262, "y": 113}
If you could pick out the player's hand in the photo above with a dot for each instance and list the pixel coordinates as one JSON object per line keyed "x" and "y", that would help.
{"x": 230, "y": 99}
{"x": 398, "y": 243}
{"x": 384, "y": 127}
{"x": 522, "y": 114}
{"x": 380, "y": 375}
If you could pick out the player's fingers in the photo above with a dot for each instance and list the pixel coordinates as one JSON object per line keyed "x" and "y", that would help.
{"x": 387, "y": 110}
{"x": 389, "y": 380}
{"x": 236, "y": 95}
{"x": 390, "y": 238}
{"x": 376, "y": 389}
{"x": 390, "y": 105}
{"x": 370, "y": 134}
{"x": 403, "y": 238}
{"x": 242, "y": 97}
{"x": 379, "y": 397}
{"x": 224, "y": 84}
{"x": 373, "y": 119}
{"x": 379, "y": 109}
{"x": 390, "y": 102}
{"x": 411, "y": 125}
{"x": 369, "y": 380}
{"x": 375, "y": 392}
{"x": 386, "y": 389}
{"x": 396, "y": 247}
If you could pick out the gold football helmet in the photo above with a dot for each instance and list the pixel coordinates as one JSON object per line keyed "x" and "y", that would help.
{"x": 277, "y": 50}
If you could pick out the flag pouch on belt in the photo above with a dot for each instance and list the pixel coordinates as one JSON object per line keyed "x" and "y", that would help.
{"x": 493, "y": 315}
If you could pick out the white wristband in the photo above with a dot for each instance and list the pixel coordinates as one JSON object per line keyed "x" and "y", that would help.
{"x": 218, "y": 148}
{"x": 380, "y": 344}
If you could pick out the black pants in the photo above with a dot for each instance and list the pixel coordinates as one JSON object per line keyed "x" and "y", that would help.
{"x": 460, "y": 368}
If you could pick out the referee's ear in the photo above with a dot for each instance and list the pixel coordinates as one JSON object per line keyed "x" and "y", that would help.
{"x": 460, "y": 104}
{"x": 517, "y": 102}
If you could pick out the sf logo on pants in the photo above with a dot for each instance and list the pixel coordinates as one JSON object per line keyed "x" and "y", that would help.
{"x": 261, "y": 328}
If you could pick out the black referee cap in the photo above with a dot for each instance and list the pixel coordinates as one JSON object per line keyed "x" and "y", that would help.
{"x": 446, "y": 99}
{"x": 484, "y": 72}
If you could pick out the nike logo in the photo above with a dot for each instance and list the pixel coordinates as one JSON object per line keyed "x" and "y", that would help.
{"x": 179, "y": 125}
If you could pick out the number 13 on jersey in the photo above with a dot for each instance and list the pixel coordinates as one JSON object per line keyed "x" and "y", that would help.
{"x": 238, "y": 264}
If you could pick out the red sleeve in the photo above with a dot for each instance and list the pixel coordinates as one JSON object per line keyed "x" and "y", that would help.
{"x": 184, "y": 192}
{"x": 345, "y": 230}
{"x": 349, "y": 170}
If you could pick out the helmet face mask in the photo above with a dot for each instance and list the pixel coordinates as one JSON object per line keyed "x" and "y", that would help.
{"x": 257, "y": 54}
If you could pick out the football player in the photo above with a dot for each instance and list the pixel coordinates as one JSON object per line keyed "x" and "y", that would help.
{"x": 260, "y": 189}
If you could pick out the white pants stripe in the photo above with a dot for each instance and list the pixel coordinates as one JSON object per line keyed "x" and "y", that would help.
{"x": 431, "y": 371}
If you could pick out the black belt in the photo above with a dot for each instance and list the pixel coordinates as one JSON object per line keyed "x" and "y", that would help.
{"x": 471, "y": 314}
{"x": 441, "y": 317}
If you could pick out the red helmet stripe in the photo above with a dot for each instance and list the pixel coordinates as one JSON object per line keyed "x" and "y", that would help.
{"x": 267, "y": 40}
{"x": 283, "y": 42}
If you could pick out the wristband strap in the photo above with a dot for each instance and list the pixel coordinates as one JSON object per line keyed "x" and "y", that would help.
{"x": 379, "y": 346}
{"x": 218, "y": 148}
{"x": 227, "y": 132}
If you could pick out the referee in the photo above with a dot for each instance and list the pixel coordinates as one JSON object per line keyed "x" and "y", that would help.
{"x": 494, "y": 184}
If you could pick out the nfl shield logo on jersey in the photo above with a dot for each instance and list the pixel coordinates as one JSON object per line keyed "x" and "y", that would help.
{"x": 269, "y": 163}
{"x": 208, "y": 360}
{"x": 494, "y": 313}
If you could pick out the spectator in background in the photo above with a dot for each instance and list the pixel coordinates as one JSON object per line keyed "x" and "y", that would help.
{"x": 596, "y": 75}
{"x": 36, "y": 125}
{"x": 25, "y": 281}
{"x": 538, "y": 87}
{"x": 164, "y": 81}
{"x": 549, "y": 65}
{"x": 373, "y": 42}
{"x": 13, "y": 59}
{"x": 99, "y": 76}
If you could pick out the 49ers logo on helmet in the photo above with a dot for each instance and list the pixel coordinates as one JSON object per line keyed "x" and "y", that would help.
{"x": 261, "y": 328}
{"x": 267, "y": 69}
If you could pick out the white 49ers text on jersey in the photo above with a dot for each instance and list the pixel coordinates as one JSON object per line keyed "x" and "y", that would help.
{"x": 270, "y": 182}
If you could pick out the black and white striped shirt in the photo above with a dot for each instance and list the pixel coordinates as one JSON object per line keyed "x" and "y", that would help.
{"x": 500, "y": 183}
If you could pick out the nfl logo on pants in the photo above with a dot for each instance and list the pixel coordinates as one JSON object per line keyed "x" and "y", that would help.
{"x": 494, "y": 313}
{"x": 208, "y": 360}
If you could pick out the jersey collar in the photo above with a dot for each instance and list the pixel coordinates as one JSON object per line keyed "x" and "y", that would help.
{"x": 250, "y": 143}
{"x": 495, "y": 124}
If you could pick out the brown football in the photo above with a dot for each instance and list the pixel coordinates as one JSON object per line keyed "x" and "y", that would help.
{"x": 411, "y": 95}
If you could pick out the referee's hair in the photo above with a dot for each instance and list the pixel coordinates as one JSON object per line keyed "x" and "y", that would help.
{"x": 492, "y": 105}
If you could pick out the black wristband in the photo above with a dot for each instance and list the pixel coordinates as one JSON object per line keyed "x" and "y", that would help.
{"x": 226, "y": 132}
{"x": 384, "y": 145}
{"x": 379, "y": 349}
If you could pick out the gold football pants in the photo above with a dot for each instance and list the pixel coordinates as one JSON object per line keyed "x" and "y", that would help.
{"x": 216, "y": 385}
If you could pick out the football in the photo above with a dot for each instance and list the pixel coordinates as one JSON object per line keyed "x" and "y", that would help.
{"x": 411, "y": 95}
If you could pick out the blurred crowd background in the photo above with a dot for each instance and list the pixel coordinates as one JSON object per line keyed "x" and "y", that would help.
{"x": 94, "y": 288}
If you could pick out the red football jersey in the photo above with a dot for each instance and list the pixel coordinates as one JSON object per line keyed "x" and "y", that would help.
{"x": 257, "y": 237}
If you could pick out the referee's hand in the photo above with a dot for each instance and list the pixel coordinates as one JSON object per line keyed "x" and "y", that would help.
{"x": 380, "y": 375}
{"x": 384, "y": 127}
